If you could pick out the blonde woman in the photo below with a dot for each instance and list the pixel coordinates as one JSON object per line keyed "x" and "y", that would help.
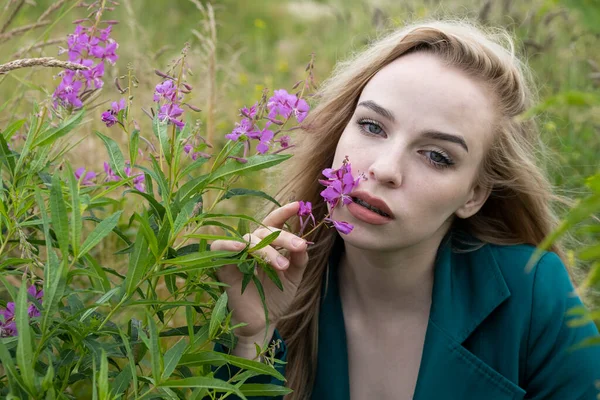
{"x": 428, "y": 296}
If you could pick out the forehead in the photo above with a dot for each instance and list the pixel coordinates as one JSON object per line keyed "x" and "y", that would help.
{"x": 423, "y": 93}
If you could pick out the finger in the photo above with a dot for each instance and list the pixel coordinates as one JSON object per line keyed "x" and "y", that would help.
{"x": 278, "y": 217}
{"x": 268, "y": 253}
{"x": 286, "y": 240}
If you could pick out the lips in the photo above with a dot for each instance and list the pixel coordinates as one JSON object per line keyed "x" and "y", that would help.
{"x": 374, "y": 201}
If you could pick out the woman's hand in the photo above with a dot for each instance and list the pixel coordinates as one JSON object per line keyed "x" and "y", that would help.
{"x": 247, "y": 307}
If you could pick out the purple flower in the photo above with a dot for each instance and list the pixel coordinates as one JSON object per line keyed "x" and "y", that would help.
{"x": 109, "y": 117}
{"x": 245, "y": 127}
{"x": 249, "y": 113}
{"x": 68, "y": 89}
{"x": 188, "y": 148}
{"x": 340, "y": 184}
{"x": 32, "y": 310}
{"x": 8, "y": 325}
{"x": 284, "y": 104}
{"x": 169, "y": 112}
{"x": 138, "y": 180}
{"x": 110, "y": 175}
{"x": 94, "y": 75}
{"x": 284, "y": 141}
{"x": 87, "y": 179}
{"x": 341, "y": 226}
{"x": 265, "y": 138}
{"x": 305, "y": 210}
{"x": 200, "y": 154}
{"x": 165, "y": 91}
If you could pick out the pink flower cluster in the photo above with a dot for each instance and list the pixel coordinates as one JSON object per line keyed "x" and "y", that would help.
{"x": 168, "y": 97}
{"x": 110, "y": 116}
{"x": 90, "y": 48}
{"x": 88, "y": 177}
{"x": 8, "y": 325}
{"x": 280, "y": 104}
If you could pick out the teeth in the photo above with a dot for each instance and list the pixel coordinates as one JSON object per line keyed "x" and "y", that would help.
{"x": 370, "y": 207}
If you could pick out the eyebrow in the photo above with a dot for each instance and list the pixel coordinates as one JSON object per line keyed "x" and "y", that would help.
{"x": 430, "y": 133}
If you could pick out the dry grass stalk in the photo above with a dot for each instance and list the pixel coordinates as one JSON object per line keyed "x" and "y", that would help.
{"x": 35, "y": 46}
{"x": 19, "y": 31}
{"x": 40, "y": 62}
{"x": 12, "y": 16}
{"x": 53, "y": 7}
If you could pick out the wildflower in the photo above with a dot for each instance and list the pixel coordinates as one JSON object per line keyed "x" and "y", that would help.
{"x": 341, "y": 226}
{"x": 8, "y": 325}
{"x": 90, "y": 51}
{"x": 110, "y": 175}
{"x": 284, "y": 141}
{"x": 109, "y": 117}
{"x": 165, "y": 91}
{"x": 339, "y": 185}
{"x": 198, "y": 154}
{"x": 169, "y": 112}
{"x": 32, "y": 310}
{"x": 138, "y": 180}
{"x": 249, "y": 113}
{"x": 305, "y": 210}
{"x": 188, "y": 148}
{"x": 244, "y": 127}
{"x": 87, "y": 178}
{"x": 265, "y": 138}
{"x": 285, "y": 104}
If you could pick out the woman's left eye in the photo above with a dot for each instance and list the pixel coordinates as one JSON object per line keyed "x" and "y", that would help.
{"x": 370, "y": 127}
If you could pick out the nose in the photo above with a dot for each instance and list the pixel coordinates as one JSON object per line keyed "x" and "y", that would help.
{"x": 386, "y": 171}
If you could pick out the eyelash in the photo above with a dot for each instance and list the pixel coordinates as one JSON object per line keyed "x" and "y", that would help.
{"x": 440, "y": 165}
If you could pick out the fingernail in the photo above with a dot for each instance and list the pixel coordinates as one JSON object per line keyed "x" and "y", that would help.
{"x": 297, "y": 242}
{"x": 282, "y": 261}
{"x": 239, "y": 245}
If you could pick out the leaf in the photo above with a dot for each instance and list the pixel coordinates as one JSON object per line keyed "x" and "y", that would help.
{"x": 50, "y": 136}
{"x": 100, "y": 232}
{"x": 204, "y": 382}
{"x": 138, "y": 262}
{"x": 248, "y": 192}
{"x": 271, "y": 273}
{"x": 131, "y": 359}
{"x": 160, "y": 131}
{"x": 196, "y": 258}
{"x": 156, "y": 355}
{"x": 148, "y": 233}
{"x": 121, "y": 383}
{"x": 261, "y": 293}
{"x": 76, "y": 222}
{"x": 24, "y": 348}
{"x": 218, "y": 314}
{"x": 158, "y": 208}
{"x": 60, "y": 221}
{"x": 172, "y": 357}
{"x": 265, "y": 242}
{"x": 193, "y": 166}
{"x": 254, "y": 163}
{"x": 9, "y": 366}
{"x": 264, "y": 389}
{"x": 7, "y": 156}
{"x": 134, "y": 145}
{"x": 103, "y": 392}
{"x": 115, "y": 157}
{"x": 183, "y": 217}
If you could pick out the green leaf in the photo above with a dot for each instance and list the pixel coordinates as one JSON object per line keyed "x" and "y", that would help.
{"x": 24, "y": 348}
{"x": 204, "y": 265}
{"x": 218, "y": 314}
{"x": 158, "y": 208}
{"x": 148, "y": 233}
{"x": 121, "y": 383}
{"x": 261, "y": 293}
{"x": 160, "y": 131}
{"x": 103, "y": 392}
{"x": 183, "y": 217}
{"x": 139, "y": 260}
{"x": 254, "y": 163}
{"x": 60, "y": 220}
{"x": 100, "y": 232}
{"x": 204, "y": 382}
{"x": 248, "y": 192}
{"x": 50, "y": 136}
{"x": 9, "y": 366}
{"x": 200, "y": 161}
{"x": 115, "y": 157}
{"x": 131, "y": 359}
{"x": 264, "y": 389}
{"x": 265, "y": 242}
{"x": 155, "y": 350}
{"x": 196, "y": 258}
{"x": 271, "y": 273}
{"x": 134, "y": 145}
{"x": 172, "y": 357}
{"x": 76, "y": 222}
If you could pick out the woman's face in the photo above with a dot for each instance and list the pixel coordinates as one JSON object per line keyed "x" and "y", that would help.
{"x": 419, "y": 134}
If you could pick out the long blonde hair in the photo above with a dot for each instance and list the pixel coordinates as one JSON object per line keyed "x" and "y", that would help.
{"x": 518, "y": 209}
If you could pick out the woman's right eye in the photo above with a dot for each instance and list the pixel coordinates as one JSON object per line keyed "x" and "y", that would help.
{"x": 370, "y": 127}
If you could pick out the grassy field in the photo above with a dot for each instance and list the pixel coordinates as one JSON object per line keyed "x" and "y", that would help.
{"x": 266, "y": 44}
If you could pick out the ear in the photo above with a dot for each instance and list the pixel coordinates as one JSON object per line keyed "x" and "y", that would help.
{"x": 476, "y": 200}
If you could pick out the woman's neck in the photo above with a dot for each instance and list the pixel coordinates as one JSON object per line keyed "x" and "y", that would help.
{"x": 387, "y": 283}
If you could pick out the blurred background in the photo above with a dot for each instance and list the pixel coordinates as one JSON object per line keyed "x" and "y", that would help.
{"x": 238, "y": 48}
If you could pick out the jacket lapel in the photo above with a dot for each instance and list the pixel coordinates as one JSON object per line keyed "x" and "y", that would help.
{"x": 468, "y": 287}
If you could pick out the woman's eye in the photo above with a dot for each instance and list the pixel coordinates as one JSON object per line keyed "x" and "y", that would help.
{"x": 438, "y": 159}
{"x": 370, "y": 127}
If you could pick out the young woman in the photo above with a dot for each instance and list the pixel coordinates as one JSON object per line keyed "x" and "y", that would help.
{"x": 428, "y": 296}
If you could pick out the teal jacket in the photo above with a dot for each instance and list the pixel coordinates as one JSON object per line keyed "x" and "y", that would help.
{"x": 495, "y": 331}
